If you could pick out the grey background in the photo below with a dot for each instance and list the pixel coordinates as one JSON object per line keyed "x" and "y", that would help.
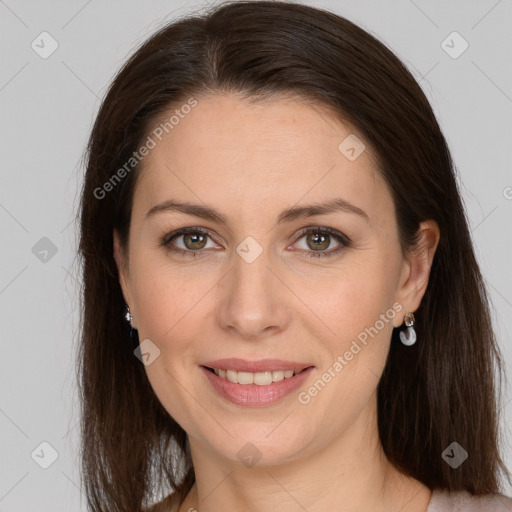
{"x": 47, "y": 109}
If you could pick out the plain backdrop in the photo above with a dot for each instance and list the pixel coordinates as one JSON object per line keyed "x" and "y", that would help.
{"x": 47, "y": 109}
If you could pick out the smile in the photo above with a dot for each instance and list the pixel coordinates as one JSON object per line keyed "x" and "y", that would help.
{"x": 269, "y": 382}
{"x": 258, "y": 378}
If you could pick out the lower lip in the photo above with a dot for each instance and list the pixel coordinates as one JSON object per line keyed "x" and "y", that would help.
{"x": 252, "y": 395}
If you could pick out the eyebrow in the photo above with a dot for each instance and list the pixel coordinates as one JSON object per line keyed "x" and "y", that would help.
{"x": 287, "y": 215}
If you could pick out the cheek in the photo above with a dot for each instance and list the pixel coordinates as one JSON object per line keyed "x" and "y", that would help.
{"x": 356, "y": 299}
{"x": 359, "y": 313}
{"x": 167, "y": 296}
{"x": 167, "y": 311}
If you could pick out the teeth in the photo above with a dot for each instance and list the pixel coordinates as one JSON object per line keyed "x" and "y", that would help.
{"x": 232, "y": 376}
{"x": 277, "y": 376}
{"x": 248, "y": 378}
{"x": 258, "y": 378}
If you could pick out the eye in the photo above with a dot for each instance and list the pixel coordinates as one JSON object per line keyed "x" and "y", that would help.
{"x": 194, "y": 240}
{"x": 320, "y": 239}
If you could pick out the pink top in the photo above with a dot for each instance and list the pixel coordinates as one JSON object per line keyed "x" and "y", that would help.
{"x": 463, "y": 501}
{"x": 441, "y": 501}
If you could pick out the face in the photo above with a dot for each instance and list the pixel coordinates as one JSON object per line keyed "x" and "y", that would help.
{"x": 267, "y": 283}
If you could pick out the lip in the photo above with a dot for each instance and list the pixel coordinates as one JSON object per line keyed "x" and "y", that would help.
{"x": 252, "y": 395}
{"x": 263, "y": 365}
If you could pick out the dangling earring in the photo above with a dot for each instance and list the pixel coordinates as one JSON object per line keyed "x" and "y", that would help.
{"x": 129, "y": 318}
{"x": 408, "y": 336}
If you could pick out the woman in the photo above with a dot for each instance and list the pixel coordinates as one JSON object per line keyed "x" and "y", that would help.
{"x": 282, "y": 306}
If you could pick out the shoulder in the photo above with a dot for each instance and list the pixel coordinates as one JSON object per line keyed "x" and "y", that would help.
{"x": 462, "y": 501}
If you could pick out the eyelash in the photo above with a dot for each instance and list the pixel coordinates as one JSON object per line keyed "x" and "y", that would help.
{"x": 342, "y": 239}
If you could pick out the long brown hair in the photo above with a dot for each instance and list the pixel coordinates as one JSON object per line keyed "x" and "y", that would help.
{"x": 440, "y": 390}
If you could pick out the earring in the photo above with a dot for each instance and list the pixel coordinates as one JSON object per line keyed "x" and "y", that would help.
{"x": 408, "y": 336}
{"x": 128, "y": 316}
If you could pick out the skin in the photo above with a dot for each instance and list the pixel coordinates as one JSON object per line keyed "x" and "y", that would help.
{"x": 250, "y": 161}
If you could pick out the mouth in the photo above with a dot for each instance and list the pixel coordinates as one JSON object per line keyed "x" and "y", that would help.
{"x": 259, "y": 378}
{"x": 269, "y": 382}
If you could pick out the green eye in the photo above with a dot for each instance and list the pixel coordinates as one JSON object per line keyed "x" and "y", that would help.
{"x": 194, "y": 241}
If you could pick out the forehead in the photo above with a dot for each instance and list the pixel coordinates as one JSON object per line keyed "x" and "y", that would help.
{"x": 231, "y": 152}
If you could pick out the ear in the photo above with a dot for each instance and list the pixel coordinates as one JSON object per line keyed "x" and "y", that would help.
{"x": 121, "y": 259}
{"x": 416, "y": 269}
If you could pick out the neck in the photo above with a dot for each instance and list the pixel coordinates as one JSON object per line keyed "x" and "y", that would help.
{"x": 351, "y": 473}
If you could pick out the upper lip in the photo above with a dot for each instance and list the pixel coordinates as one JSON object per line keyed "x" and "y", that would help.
{"x": 263, "y": 365}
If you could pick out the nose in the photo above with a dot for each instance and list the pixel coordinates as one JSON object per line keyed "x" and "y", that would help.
{"x": 253, "y": 301}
